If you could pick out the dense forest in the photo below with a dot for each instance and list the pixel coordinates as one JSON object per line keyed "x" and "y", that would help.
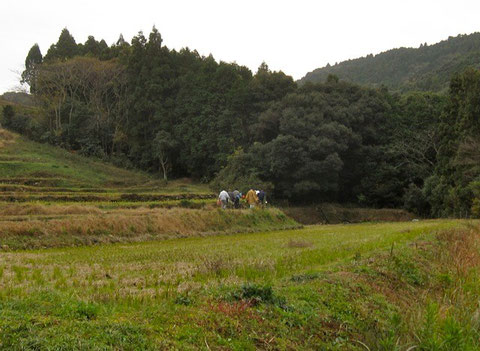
{"x": 180, "y": 114}
{"x": 427, "y": 68}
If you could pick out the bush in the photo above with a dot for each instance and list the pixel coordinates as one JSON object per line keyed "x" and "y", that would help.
{"x": 476, "y": 200}
{"x": 258, "y": 294}
{"x": 85, "y": 310}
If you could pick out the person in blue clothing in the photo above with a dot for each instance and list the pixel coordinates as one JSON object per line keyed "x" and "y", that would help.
{"x": 237, "y": 195}
{"x": 262, "y": 198}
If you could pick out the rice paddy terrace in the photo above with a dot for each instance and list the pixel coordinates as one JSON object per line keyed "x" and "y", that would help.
{"x": 389, "y": 286}
{"x": 31, "y": 171}
{"x": 51, "y": 197}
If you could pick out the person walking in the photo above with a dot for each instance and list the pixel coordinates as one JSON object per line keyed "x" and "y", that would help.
{"x": 251, "y": 198}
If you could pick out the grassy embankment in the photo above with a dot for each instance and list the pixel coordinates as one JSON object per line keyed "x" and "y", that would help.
{"x": 32, "y": 171}
{"x": 391, "y": 286}
{"x": 333, "y": 213}
{"x": 50, "y": 197}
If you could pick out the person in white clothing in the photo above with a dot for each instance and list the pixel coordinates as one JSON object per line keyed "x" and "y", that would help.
{"x": 223, "y": 197}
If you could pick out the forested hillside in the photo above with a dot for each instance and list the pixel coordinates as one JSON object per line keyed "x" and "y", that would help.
{"x": 180, "y": 114}
{"x": 427, "y": 68}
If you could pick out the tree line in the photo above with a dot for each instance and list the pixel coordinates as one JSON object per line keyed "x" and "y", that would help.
{"x": 178, "y": 113}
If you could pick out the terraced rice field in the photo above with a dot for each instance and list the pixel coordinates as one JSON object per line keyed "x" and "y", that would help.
{"x": 390, "y": 286}
{"x": 51, "y": 197}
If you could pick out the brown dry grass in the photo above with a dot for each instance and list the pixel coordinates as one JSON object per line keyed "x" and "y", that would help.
{"x": 91, "y": 226}
{"x": 454, "y": 253}
{"x": 28, "y": 209}
{"x": 463, "y": 246}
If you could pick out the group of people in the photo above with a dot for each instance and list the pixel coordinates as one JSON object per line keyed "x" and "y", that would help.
{"x": 252, "y": 198}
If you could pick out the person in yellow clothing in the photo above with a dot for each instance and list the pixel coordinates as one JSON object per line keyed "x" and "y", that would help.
{"x": 251, "y": 198}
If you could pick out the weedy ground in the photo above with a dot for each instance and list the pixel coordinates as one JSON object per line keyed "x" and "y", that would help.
{"x": 391, "y": 286}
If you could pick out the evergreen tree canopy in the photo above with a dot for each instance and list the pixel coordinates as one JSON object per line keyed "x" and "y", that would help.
{"x": 34, "y": 58}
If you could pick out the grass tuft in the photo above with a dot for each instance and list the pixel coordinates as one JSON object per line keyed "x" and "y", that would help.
{"x": 299, "y": 243}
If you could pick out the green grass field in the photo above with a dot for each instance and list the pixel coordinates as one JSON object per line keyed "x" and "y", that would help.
{"x": 337, "y": 287}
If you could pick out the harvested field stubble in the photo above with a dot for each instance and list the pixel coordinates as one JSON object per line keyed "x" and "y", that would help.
{"x": 252, "y": 291}
{"x": 93, "y": 197}
{"x": 28, "y": 209}
{"x": 94, "y": 226}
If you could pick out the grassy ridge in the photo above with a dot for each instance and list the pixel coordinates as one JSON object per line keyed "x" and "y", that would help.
{"x": 89, "y": 225}
{"x": 427, "y": 68}
{"x": 23, "y": 162}
{"x": 321, "y": 287}
{"x": 20, "y": 158}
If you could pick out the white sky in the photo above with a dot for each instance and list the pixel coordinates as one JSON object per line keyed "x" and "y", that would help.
{"x": 293, "y": 36}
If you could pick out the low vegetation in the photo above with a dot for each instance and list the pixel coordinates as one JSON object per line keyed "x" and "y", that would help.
{"x": 94, "y": 226}
{"x": 51, "y": 198}
{"x": 332, "y": 287}
{"x": 331, "y": 214}
{"x": 31, "y": 167}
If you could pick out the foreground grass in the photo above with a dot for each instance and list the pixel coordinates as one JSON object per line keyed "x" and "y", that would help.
{"x": 322, "y": 287}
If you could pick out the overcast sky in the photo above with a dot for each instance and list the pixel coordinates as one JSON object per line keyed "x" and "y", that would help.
{"x": 293, "y": 36}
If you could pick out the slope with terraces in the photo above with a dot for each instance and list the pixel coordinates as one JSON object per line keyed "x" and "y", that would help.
{"x": 50, "y": 197}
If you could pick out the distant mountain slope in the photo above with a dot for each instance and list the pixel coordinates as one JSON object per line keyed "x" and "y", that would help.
{"x": 428, "y": 67}
{"x": 18, "y": 98}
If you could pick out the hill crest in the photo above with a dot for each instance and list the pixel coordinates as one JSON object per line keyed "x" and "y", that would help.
{"x": 427, "y": 68}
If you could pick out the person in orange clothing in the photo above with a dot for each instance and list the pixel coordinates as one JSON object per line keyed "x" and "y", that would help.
{"x": 251, "y": 198}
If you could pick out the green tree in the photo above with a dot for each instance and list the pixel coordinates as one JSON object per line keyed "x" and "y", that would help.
{"x": 163, "y": 147}
{"x": 449, "y": 190}
{"x": 316, "y": 142}
{"x": 91, "y": 47}
{"x": 33, "y": 59}
{"x": 65, "y": 48}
